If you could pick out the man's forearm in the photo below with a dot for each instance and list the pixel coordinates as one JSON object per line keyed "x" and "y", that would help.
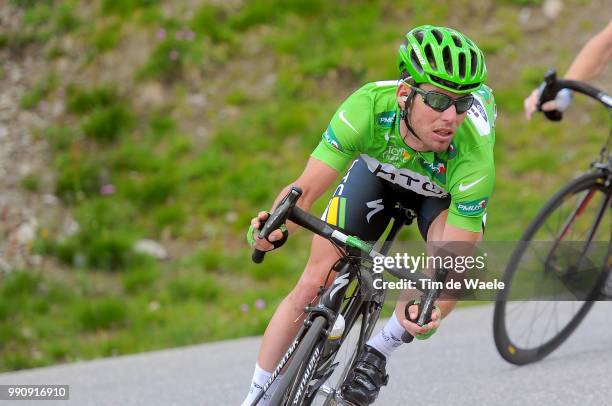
{"x": 593, "y": 57}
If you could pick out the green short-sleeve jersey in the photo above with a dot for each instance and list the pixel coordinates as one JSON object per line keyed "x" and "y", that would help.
{"x": 367, "y": 124}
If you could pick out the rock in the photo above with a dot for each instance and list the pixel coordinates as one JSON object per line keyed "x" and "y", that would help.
{"x": 196, "y": 100}
{"x": 524, "y": 16}
{"x": 151, "y": 248}
{"x": 552, "y": 8}
{"x": 50, "y": 200}
{"x": 27, "y": 232}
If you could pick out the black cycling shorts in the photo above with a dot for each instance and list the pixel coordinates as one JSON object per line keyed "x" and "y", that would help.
{"x": 362, "y": 204}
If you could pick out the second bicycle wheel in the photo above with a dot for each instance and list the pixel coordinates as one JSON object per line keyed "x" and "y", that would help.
{"x": 556, "y": 272}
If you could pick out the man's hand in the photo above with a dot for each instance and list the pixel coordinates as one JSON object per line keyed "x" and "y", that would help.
{"x": 561, "y": 102}
{"x": 278, "y": 237}
{"x": 421, "y": 332}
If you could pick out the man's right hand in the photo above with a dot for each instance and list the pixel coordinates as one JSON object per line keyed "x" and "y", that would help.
{"x": 560, "y": 103}
{"x": 260, "y": 243}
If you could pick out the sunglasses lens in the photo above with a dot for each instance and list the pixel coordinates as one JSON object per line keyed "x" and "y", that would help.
{"x": 464, "y": 104}
{"x": 438, "y": 101}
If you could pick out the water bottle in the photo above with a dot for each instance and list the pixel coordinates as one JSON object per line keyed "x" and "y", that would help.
{"x": 337, "y": 330}
{"x": 334, "y": 337}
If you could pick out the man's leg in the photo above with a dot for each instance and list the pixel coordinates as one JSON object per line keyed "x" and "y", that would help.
{"x": 369, "y": 375}
{"x": 289, "y": 315}
{"x": 359, "y": 208}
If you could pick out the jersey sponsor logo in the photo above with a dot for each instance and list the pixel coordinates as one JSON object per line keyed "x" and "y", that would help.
{"x": 345, "y": 121}
{"x": 404, "y": 178}
{"x": 386, "y": 119}
{"x": 395, "y": 155}
{"x": 478, "y": 117}
{"x": 463, "y": 188}
{"x": 331, "y": 139}
{"x": 451, "y": 152}
{"x": 473, "y": 207}
{"x": 436, "y": 169}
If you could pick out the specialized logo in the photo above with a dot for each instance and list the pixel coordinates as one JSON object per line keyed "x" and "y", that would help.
{"x": 417, "y": 51}
{"x": 376, "y": 206}
{"x": 309, "y": 370}
{"x": 330, "y": 137}
{"x": 463, "y": 188}
{"x": 404, "y": 178}
{"x": 345, "y": 121}
{"x": 340, "y": 282}
{"x": 472, "y": 208}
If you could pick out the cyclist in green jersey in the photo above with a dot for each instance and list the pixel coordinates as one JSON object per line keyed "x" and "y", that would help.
{"x": 425, "y": 141}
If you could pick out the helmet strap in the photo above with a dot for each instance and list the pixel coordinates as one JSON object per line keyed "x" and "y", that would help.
{"x": 405, "y": 113}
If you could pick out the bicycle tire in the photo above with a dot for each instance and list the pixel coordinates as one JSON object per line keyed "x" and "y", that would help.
{"x": 291, "y": 379}
{"x": 507, "y": 348}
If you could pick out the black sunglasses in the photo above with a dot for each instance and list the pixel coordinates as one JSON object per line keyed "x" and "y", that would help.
{"x": 440, "y": 102}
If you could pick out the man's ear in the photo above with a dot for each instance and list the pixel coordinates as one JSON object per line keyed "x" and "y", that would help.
{"x": 402, "y": 92}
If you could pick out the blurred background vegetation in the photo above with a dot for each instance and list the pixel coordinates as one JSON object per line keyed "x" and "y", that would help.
{"x": 176, "y": 121}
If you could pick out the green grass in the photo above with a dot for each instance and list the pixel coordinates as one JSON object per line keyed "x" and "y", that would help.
{"x": 39, "y": 92}
{"x": 269, "y": 76}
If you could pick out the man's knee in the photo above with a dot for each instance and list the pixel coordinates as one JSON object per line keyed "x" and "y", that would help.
{"x": 322, "y": 258}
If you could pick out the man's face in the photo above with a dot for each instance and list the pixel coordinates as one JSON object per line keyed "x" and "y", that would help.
{"x": 435, "y": 129}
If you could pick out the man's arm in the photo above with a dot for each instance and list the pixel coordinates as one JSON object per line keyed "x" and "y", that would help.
{"x": 588, "y": 64}
{"x": 451, "y": 234}
{"x": 593, "y": 57}
{"x": 316, "y": 178}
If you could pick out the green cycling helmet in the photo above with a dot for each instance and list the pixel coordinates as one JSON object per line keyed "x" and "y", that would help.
{"x": 442, "y": 57}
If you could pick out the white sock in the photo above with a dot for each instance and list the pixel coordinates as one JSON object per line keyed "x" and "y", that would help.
{"x": 260, "y": 377}
{"x": 389, "y": 338}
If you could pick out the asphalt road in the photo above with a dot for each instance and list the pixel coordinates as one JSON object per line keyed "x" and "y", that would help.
{"x": 460, "y": 366}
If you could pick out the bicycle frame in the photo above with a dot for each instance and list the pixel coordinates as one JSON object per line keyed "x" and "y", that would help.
{"x": 330, "y": 303}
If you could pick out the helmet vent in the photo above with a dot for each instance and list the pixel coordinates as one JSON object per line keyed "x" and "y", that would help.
{"x": 430, "y": 56}
{"x": 446, "y": 57}
{"x": 457, "y": 41}
{"x": 473, "y": 63}
{"x": 462, "y": 65}
{"x": 419, "y": 36}
{"x": 438, "y": 35}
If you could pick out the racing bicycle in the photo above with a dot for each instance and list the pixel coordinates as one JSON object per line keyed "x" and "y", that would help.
{"x": 561, "y": 264}
{"x": 310, "y": 365}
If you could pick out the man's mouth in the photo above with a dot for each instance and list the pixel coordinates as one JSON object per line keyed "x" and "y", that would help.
{"x": 443, "y": 132}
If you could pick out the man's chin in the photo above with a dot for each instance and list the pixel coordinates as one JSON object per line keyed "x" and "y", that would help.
{"x": 440, "y": 146}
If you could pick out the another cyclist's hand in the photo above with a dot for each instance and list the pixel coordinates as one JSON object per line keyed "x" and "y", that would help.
{"x": 560, "y": 103}
{"x": 275, "y": 240}
{"x": 421, "y": 332}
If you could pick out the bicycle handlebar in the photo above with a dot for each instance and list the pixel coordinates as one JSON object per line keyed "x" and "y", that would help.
{"x": 553, "y": 85}
{"x": 276, "y": 219}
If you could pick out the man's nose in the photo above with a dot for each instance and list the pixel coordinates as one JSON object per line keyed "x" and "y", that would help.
{"x": 450, "y": 114}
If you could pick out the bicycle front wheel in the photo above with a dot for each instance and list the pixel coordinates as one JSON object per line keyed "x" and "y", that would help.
{"x": 556, "y": 272}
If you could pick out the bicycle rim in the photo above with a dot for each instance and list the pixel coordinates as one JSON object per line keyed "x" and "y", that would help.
{"x": 527, "y": 330}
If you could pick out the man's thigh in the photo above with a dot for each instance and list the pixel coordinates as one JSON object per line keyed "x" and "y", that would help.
{"x": 361, "y": 204}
